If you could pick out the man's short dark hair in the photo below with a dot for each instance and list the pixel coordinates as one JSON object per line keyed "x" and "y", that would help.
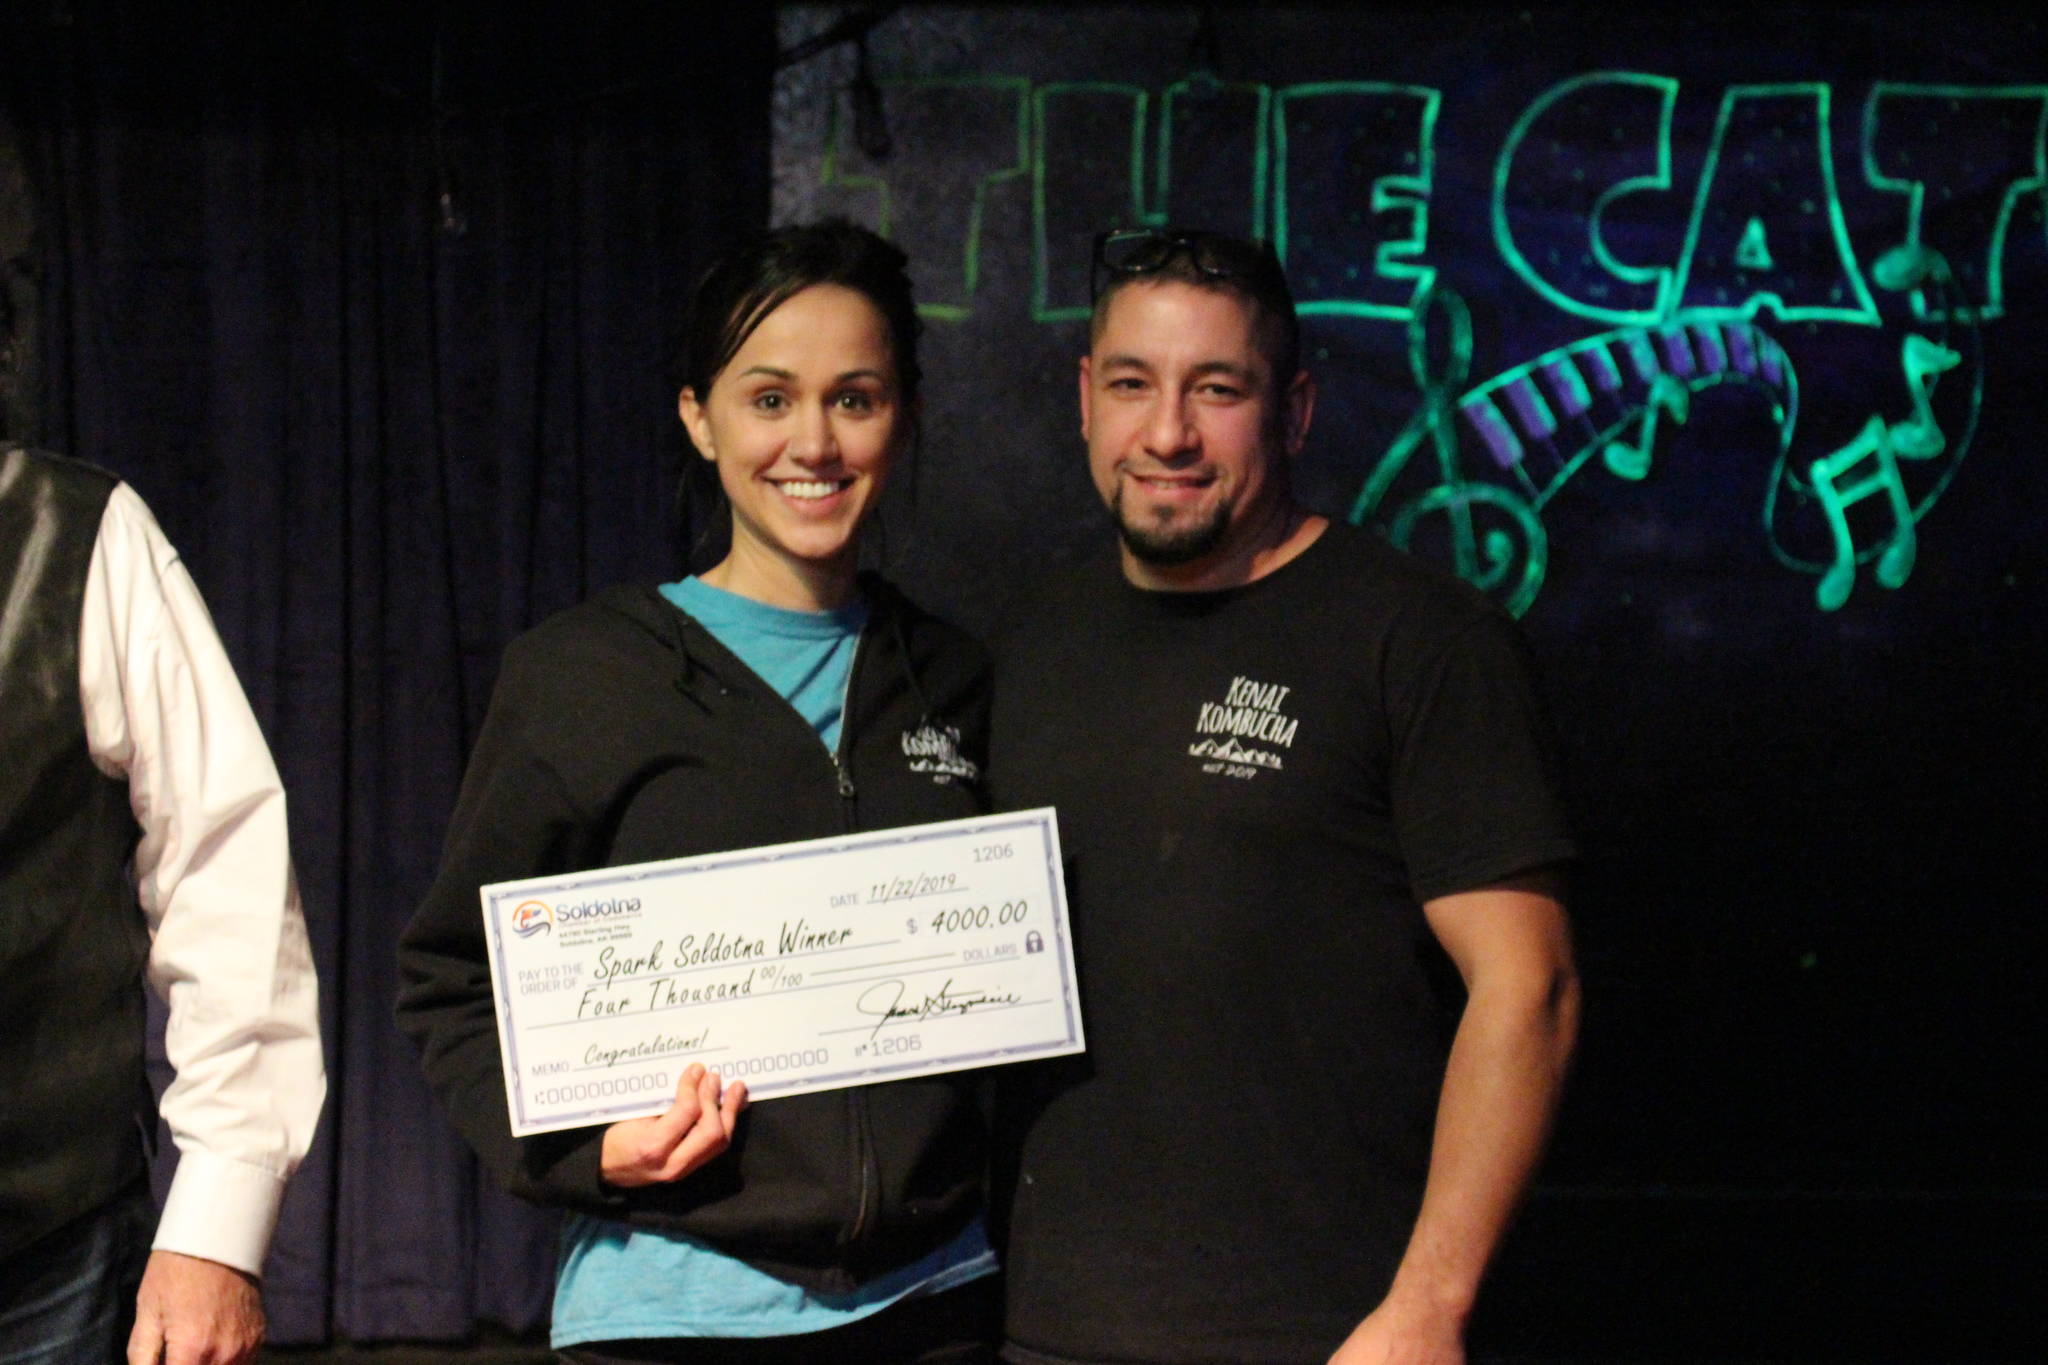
{"x": 1206, "y": 260}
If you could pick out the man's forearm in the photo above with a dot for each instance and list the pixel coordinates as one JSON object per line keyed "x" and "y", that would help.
{"x": 1500, "y": 1091}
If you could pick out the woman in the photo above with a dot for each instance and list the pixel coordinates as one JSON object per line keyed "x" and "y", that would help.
{"x": 764, "y": 701}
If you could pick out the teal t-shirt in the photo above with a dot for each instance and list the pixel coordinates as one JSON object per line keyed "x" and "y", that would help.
{"x": 807, "y": 656}
{"x": 617, "y": 1282}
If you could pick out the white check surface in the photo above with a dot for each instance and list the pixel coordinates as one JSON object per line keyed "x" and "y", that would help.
{"x": 797, "y": 967}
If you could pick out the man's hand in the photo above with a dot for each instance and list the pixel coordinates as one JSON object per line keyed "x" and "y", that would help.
{"x": 192, "y": 1311}
{"x": 1392, "y": 1336}
{"x": 696, "y": 1128}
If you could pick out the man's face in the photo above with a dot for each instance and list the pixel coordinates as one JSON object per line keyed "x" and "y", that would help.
{"x": 1187, "y": 426}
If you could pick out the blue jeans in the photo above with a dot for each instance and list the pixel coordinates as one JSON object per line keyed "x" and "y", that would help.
{"x": 69, "y": 1298}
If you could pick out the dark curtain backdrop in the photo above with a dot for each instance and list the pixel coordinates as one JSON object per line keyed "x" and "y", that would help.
{"x": 376, "y": 307}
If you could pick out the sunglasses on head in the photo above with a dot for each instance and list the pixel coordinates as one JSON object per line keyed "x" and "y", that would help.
{"x": 1122, "y": 253}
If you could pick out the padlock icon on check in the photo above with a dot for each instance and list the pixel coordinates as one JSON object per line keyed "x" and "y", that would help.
{"x": 1033, "y": 943}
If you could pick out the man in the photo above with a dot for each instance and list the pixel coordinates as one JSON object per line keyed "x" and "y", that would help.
{"x": 1302, "y": 793}
{"x": 124, "y": 735}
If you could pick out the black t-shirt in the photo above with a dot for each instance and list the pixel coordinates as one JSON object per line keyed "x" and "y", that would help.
{"x": 1256, "y": 790}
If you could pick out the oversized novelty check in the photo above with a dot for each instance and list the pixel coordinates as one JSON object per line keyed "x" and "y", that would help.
{"x": 798, "y": 967}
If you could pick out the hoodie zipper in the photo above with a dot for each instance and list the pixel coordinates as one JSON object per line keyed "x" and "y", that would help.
{"x": 856, "y": 1100}
{"x": 842, "y": 773}
{"x": 841, "y": 766}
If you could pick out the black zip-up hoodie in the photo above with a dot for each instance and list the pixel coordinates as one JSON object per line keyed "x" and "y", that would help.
{"x": 621, "y": 731}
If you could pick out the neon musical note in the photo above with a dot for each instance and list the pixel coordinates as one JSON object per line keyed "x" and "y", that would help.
{"x": 1631, "y": 459}
{"x": 1488, "y": 558}
{"x": 1953, "y": 345}
{"x": 1837, "y": 496}
{"x": 1920, "y": 437}
{"x": 1431, "y": 420}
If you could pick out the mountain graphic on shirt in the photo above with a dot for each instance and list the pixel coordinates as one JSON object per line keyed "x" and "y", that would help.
{"x": 1230, "y": 751}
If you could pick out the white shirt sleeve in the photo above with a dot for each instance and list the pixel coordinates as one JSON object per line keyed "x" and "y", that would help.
{"x": 213, "y": 873}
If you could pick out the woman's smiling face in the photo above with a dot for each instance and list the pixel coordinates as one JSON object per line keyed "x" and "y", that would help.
{"x": 802, "y": 423}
